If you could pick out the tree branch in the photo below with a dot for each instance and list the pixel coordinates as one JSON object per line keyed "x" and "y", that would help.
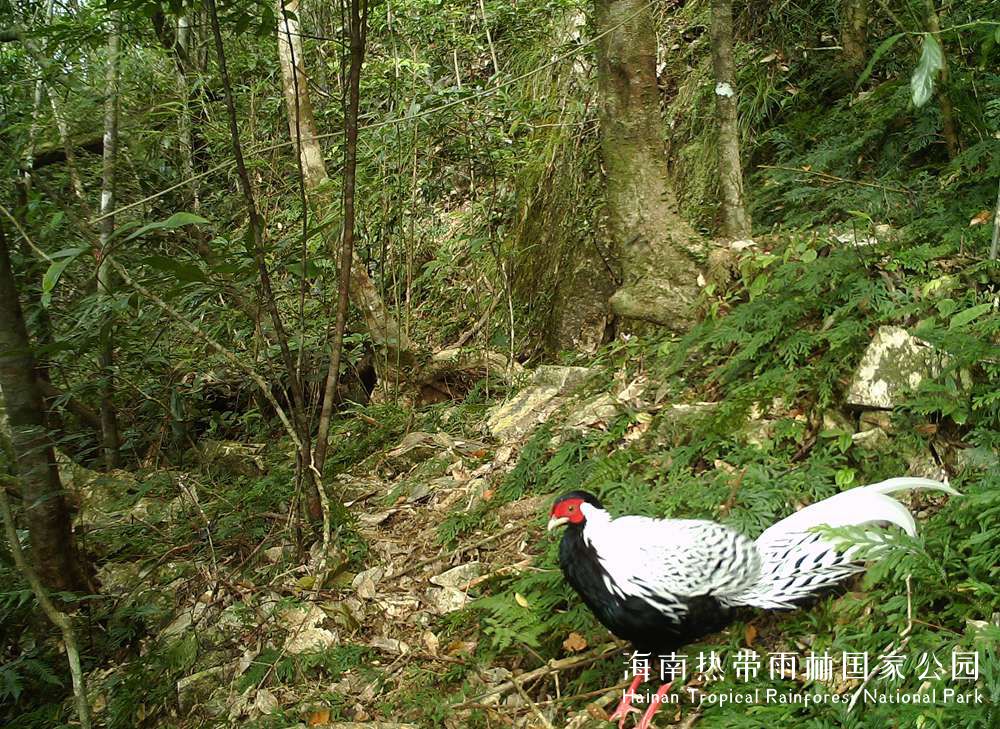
{"x": 48, "y": 607}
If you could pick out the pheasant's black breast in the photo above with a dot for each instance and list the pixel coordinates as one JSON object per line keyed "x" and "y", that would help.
{"x": 634, "y": 619}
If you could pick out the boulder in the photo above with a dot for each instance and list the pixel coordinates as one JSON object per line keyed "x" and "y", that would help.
{"x": 894, "y": 362}
{"x": 239, "y": 459}
{"x": 535, "y": 403}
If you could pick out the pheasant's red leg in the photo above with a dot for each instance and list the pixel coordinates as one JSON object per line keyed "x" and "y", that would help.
{"x": 654, "y": 705}
{"x": 623, "y": 708}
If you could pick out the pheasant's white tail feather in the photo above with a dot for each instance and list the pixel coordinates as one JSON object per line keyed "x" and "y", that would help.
{"x": 857, "y": 506}
{"x": 798, "y": 561}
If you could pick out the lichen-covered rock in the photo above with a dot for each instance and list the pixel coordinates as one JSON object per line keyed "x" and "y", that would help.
{"x": 534, "y": 404}
{"x": 596, "y": 411}
{"x": 444, "y": 600}
{"x": 894, "y": 362}
{"x": 872, "y": 439}
{"x": 241, "y": 459}
{"x": 561, "y": 378}
{"x": 459, "y": 576}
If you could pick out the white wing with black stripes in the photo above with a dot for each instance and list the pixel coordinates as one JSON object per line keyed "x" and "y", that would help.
{"x": 668, "y": 561}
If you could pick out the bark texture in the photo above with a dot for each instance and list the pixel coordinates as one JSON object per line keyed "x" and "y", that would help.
{"x": 735, "y": 218}
{"x": 655, "y": 244}
{"x": 854, "y": 34}
{"x": 268, "y": 300}
{"x": 53, "y": 548}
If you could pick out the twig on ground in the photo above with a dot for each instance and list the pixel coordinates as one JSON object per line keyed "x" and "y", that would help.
{"x": 457, "y": 550}
{"x": 532, "y": 705}
{"x": 551, "y": 667}
{"x": 835, "y": 178}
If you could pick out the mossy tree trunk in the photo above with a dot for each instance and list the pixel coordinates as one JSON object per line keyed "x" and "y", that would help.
{"x": 735, "y": 218}
{"x": 53, "y": 548}
{"x": 654, "y": 243}
{"x": 854, "y": 34}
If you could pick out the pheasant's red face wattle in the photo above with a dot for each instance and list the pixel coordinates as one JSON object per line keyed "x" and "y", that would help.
{"x": 568, "y": 510}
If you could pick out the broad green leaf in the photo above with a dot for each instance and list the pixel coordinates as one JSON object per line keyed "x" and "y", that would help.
{"x": 759, "y": 285}
{"x": 311, "y": 269}
{"x": 946, "y": 306}
{"x": 55, "y": 270}
{"x": 931, "y": 62}
{"x": 966, "y": 316}
{"x": 177, "y": 220}
{"x": 883, "y": 48}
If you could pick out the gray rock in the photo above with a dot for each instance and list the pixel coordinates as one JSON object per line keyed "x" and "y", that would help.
{"x": 872, "y": 419}
{"x": 561, "y": 378}
{"x": 594, "y": 411}
{"x": 444, "y": 600}
{"x": 198, "y": 687}
{"x": 240, "y": 459}
{"x": 458, "y": 576}
{"x": 894, "y": 362}
{"x": 836, "y": 421}
{"x": 523, "y": 413}
{"x": 534, "y": 404}
{"x": 870, "y": 440}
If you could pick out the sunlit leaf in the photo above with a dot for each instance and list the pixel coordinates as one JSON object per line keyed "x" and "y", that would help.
{"x": 930, "y": 64}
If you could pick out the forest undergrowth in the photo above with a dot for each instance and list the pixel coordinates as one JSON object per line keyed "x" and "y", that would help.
{"x": 209, "y": 612}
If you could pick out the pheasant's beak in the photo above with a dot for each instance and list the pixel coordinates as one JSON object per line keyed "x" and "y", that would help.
{"x": 554, "y": 522}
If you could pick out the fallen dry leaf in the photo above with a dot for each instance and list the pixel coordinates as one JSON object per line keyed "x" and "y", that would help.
{"x": 318, "y": 717}
{"x": 521, "y": 599}
{"x": 750, "y": 635}
{"x": 575, "y": 643}
{"x": 981, "y": 218}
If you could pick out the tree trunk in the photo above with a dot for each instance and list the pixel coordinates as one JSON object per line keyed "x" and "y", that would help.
{"x": 268, "y": 300}
{"x": 53, "y": 548}
{"x": 382, "y": 326}
{"x": 735, "y": 218}
{"x": 358, "y": 20}
{"x": 105, "y": 274}
{"x": 948, "y": 128}
{"x": 854, "y": 34}
{"x": 654, "y": 243}
{"x": 185, "y": 121}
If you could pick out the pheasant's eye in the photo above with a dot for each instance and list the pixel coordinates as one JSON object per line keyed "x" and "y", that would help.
{"x": 570, "y": 508}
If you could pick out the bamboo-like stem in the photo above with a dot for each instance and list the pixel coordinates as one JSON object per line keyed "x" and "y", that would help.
{"x": 58, "y": 618}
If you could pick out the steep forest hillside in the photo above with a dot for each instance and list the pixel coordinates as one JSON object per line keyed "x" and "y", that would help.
{"x": 311, "y": 312}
